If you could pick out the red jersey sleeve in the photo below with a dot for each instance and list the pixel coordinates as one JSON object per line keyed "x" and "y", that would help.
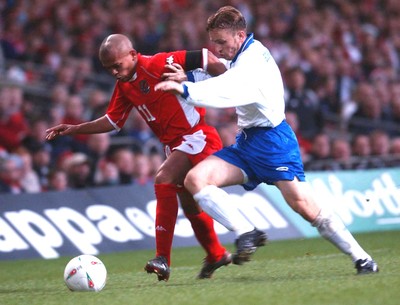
{"x": 119, "y": 108}
{"x": 189, "y": 60}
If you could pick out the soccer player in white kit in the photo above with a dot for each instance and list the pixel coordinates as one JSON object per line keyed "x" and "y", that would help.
{"x": 266, "y": 149}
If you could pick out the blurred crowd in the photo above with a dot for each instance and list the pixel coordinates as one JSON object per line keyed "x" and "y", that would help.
{"x": 340, "y": 61}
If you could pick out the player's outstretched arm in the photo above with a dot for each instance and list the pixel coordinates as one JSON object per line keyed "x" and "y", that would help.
{"x": 96, "y": 126}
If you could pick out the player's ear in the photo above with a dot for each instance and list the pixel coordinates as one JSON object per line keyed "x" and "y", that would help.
{"x": 133, "y": 53}
{"x": 242, "y": 34}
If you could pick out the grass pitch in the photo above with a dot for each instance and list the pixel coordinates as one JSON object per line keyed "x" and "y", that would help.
{"x": 295, "y": 272}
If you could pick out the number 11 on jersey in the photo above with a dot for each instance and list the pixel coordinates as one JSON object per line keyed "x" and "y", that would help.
{"x": 146, "y": 113}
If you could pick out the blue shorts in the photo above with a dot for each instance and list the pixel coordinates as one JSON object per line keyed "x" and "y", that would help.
{"x": 266, "y": 155}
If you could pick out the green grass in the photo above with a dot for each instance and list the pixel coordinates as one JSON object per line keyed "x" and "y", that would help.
{"x": 303, "y": 272}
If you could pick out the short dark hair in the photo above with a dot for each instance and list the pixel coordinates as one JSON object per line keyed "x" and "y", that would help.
{"x": 227, "y": 17}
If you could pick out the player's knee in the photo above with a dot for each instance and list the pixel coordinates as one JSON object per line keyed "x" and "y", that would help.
{"x": 163, "y": 177}
{"x": 190, "y": 182}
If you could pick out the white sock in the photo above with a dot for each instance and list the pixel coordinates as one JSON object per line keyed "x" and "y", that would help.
{"x": 332, "y": 228}
{"x": 215, "y": 202}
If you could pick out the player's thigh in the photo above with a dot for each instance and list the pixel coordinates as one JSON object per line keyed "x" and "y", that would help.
{"x": 214, "y": 171}
{"x": 174, "y": 168}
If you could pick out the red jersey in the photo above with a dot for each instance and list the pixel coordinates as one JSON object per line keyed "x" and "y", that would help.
{"x": 168, "y": 115}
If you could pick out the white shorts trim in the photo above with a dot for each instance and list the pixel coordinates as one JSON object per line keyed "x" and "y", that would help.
{"x": 192, "y": 144}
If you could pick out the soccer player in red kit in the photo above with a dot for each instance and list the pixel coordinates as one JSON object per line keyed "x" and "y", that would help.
{"x": 181, "y": 128}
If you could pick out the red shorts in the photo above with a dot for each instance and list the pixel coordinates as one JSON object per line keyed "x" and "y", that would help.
{"x": 202, "y": 142}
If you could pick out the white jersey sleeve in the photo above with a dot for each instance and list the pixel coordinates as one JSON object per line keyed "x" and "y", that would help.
{"x": 197, "y": 75}
{"x": 253, "y": 84}
{"x": 223, "y": 91}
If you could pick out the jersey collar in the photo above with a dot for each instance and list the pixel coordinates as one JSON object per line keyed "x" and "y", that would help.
{"x": 249, "y": 40}
{"x": 134, "y": 77}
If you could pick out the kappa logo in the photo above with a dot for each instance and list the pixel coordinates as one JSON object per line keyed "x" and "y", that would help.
{"x": 160, "y": 228}
{"x": 282, "y": 169}
{"x": 170, "y": 60}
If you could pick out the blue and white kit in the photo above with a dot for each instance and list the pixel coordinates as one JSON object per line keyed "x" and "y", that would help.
{"x": 266, "y": 148}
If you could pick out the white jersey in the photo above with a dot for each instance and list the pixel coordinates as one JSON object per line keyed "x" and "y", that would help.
{"x": 253, "y": 84}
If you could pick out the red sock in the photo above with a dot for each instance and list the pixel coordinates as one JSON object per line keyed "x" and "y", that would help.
{"x": 166, "y": 214}
{"x": 203, "y": 227}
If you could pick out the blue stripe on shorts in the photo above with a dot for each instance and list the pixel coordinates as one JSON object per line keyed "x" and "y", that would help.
{"x": 266, "y": 155}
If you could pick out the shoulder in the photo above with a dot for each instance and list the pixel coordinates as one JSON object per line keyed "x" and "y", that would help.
{"x": 168, "y": 57}
{"x": 159, "y": 60}
{"x": 258, "y": 49}
{"x": 255, "y": 55}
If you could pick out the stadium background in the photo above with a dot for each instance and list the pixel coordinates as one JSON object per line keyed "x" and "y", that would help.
{"x": 340, "y": 61}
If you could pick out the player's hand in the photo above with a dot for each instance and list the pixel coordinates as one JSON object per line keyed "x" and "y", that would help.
{"x": 169, "y": 86}
{"x": 177, "y": 73}
{"x": 59, "y": 130}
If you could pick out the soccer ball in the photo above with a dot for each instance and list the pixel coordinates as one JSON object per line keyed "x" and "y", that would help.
{"x": 85, "y": 273}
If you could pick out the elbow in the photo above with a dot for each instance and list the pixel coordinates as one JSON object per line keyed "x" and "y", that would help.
{"x": 215, "y": 66}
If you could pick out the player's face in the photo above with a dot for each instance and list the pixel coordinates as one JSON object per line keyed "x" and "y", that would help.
{"x": 227, "y": 42}
{"x": 122, "y": 67}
